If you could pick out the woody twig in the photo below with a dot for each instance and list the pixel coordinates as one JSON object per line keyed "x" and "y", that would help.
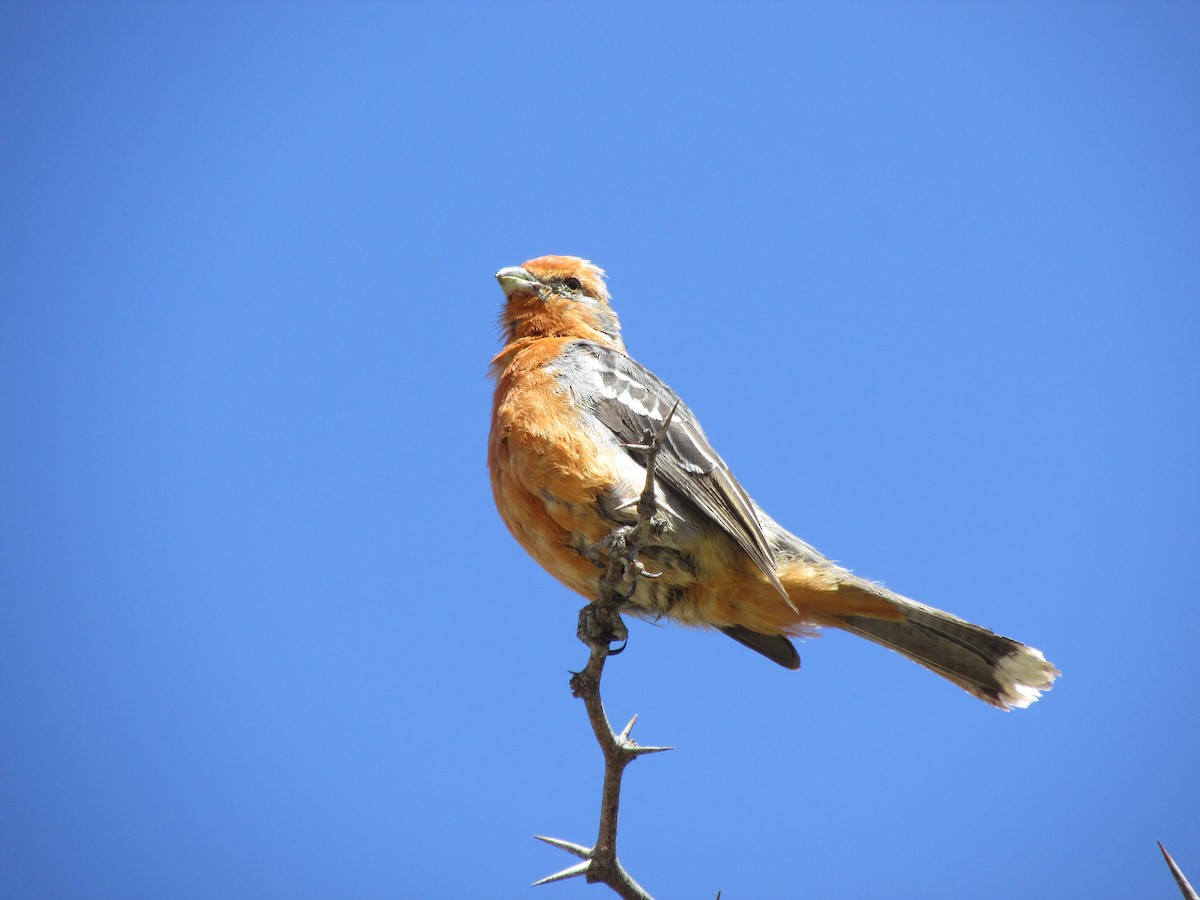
{"x": 600, "y": 625}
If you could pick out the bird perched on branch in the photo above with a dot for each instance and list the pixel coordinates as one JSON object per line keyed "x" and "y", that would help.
{"x": 568, "y": 463}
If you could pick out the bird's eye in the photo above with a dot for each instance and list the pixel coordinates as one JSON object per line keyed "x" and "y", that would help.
{"x": 572, "y": 283}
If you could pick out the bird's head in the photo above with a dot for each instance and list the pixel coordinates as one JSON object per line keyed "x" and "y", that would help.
{"x": 557, "y": 296}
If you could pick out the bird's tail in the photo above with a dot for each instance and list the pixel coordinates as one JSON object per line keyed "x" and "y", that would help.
{"x": 996, "y": 669}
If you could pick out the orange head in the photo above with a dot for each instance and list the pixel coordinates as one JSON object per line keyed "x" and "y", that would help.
{"x": 557, "y": 296}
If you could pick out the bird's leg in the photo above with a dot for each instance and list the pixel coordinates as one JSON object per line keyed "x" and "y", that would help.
{"x": 600, "y": 622}
{"x": 594, "y": 553}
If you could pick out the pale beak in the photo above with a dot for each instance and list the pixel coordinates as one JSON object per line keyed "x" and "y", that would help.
{"x": 515, "y": 280}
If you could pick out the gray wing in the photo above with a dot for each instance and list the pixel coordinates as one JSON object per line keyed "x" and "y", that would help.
{"x": 630, "y": 400}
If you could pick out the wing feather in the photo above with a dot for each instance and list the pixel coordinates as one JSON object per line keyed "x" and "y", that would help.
{"x": 630, "y": 400}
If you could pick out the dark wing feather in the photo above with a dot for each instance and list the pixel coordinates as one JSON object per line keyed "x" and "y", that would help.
{"x": 774, "y": 647}
{"x": 630, "y": 400}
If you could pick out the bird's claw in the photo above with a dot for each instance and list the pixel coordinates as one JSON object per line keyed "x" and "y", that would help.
{"x": 602, "y": 626}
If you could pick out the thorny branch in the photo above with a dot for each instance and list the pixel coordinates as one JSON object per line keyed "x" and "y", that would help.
{"x": 600, "y": 624}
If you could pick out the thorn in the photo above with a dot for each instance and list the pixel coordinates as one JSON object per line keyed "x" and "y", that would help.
{"x": 628, "y": 728}
{"x": 635, "y": 750}
{"x": 628, "y": 746}
{"x": 662, "y": 432}
{"x": 1185, "y": 888}
{"x": 572, "y": 872}
{"x": 576, "y": 849}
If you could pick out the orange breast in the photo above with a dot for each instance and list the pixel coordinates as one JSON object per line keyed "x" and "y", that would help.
{"x": 547, "y": 470}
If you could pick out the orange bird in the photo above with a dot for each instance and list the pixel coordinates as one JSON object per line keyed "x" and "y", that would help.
{"x": 570, "y": 408}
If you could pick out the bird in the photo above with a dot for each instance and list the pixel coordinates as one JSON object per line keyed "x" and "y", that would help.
{"x": 567, "y": 464}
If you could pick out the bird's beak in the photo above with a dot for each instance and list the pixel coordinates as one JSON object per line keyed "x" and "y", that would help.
{"x": 515, "y": 280}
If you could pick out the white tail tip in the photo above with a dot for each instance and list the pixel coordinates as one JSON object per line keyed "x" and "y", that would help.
{"x": 1023, "y": 675}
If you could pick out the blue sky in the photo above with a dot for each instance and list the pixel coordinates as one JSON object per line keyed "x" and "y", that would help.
{"x": 928, "y": 273}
